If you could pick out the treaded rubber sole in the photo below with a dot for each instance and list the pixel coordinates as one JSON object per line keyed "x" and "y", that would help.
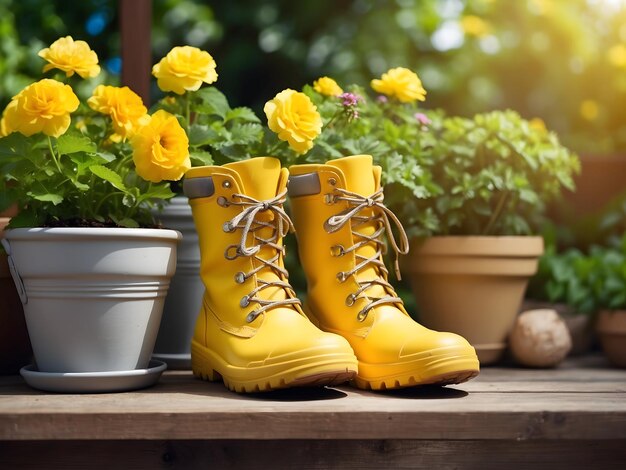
{"x": 450, "y": 378}
{"x": 439, "y": 367}
{"x": 331, "y": 369}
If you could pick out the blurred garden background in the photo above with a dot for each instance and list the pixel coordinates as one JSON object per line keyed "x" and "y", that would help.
{"x": 561, "y": 61}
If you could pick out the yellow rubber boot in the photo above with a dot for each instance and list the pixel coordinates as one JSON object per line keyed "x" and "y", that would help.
{"x": 251, "y": 331}
{"x": 340, "y": 221}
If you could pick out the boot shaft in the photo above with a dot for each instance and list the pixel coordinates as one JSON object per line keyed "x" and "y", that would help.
{"x": 339, "y": 226}
{"x": 238, "y": 216}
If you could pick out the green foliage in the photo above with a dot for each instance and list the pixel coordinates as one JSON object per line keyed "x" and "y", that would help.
{"x": 586, "y": 282}
{"x": 494, "y": 175}
{"x": 67, "y": 181}
{"x": 217, "y": 133}
{"x": 489, "y": 175}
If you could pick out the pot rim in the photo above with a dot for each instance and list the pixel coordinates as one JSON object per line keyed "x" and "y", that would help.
{"x": 92, "y": 233}
{"x": 509, "y": 245}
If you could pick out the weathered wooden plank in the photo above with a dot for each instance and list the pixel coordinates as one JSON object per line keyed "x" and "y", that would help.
{"x": 316, "y": 454}
{"x": 566, "y": 403}
{"x": 488, "y": 418}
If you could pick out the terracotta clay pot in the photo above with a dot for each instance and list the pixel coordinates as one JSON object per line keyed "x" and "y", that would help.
{"x": 472, "y": 286}
{"x": 15, "y": 350}
{"x": 611, "y": 329}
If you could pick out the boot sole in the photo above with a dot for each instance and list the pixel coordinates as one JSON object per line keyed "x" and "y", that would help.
{"x": 317, "y": 371}
{"x": 443, "y": 367}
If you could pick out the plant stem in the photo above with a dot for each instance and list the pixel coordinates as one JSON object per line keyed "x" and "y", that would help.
{"x": 188, "y": 111}
{"x": 54, "y": 157}
{"x": 496, "y": 214}
{"x": 334, "y": 116}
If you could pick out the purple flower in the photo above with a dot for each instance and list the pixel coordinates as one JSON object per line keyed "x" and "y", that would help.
{"x": 422, "y": 119}
{"x": 350, "y": 99}
{"x": 350, "y": 103}
{"x": 382, "y": 99}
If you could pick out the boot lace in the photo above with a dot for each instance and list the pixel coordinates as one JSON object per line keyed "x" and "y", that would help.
{"x": 382, "y": 218}
{"x": 249, "y": 223}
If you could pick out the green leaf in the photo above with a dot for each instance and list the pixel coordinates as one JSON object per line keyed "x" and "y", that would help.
{"x": 14, "y": 144}
{"x": 202, "y": 135}
{"x": 46, "y": 197}
{"x": 81, "y": 186}
{"x": 242, "y": 114}
{"x": 70, "y": 143}
{"x": 200, "y": 158}
{"x": 106, "y": 156}
{"x": 212, "y": 102}
{"x": 245, "y": 134}
{"x": 124, "y": 222}
{"x": 108, "y": 175}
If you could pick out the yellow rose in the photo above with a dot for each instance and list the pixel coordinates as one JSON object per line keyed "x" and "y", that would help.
{"x": 43, "y": 106}
{"x": 71, "y": 57}
{"x": 327, "y": 86}
{"x": 294, "y": 118}
{"x": 400, "y": 83}
{"x": 184, "y": 68}
{"x": 161, "y": 149}
{"x": 123, "y": 105}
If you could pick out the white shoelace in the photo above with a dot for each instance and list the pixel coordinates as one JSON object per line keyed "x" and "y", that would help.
{"x": 381, "y": 216}
{"x": 248, "y": 221}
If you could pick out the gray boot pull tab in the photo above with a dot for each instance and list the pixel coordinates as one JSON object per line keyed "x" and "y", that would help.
{"x": 304, "y": 185}
{"x": 195, "y": 188}
{"x": 19, "y": 285}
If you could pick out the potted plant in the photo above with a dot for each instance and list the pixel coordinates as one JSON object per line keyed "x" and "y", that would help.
{"x": 469, "y": 192}
{"x": 606, "y": 282}
{"x": 90, "y": 265}
{"x": 217, "y": 134}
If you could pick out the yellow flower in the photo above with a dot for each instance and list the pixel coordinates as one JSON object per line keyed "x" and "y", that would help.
{"x": 294, "y": 118}
{"x": 400, "y": 83}
{"x": 161, "y": 149}
{"x": 123, "y": 105}
{"x": 537, "y": 124}
{"x": 617, "y": 55}
{"x": 184, "y": 68}
{"x": 589, "y": 110}
{"x": 71, "y": 57}
{"x": 327, "y": 86}
{"x": 475, "y": 26}
{"x": 43, "y": 106}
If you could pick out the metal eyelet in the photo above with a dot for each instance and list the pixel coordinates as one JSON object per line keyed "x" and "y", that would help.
{"x": 337, "y": 250}
{"x": 350, "y": 300}
{"x": 228, "y": 227}
{"x": 251, "y": 317}
{"x": 244, "y": 302}
{"x": 226, "y": 184}
{"x": 240, "y": 278}
{"x": 228, "y": 252}
{"x": 341, "y": 276}
{"x": 332, "y": 181}
{"x": 330, "y": 199}
{"x": 222, "y": 201}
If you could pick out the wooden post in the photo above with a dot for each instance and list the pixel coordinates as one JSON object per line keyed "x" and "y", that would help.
{"x": 135, "y": 24}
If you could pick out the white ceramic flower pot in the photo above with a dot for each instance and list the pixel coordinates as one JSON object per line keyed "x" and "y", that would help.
{"x": 93, "y": 297}
{"x": 173, "y": 344}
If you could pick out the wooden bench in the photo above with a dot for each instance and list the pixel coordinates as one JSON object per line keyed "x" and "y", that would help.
{"x": 571, "y": 417}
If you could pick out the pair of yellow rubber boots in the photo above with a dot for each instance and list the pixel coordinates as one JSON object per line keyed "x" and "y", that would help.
{"x": 252, "y": 330}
